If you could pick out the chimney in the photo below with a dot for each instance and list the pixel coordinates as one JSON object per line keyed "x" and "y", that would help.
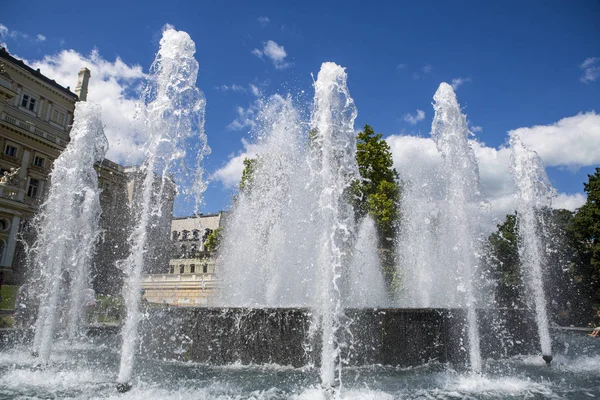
{"x": 82, "y": 84}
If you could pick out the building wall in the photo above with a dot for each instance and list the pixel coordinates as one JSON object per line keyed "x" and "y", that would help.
{"x": 191, "y": 277}
{"x": 35, "y": 119}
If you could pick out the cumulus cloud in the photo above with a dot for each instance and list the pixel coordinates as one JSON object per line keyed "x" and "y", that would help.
{"x": 274, "y": 52}
{"x": 231, "y": 173}
{"x": 114, "y": 85}
{"x": 591, "y": 69}
{"x": 457, "y": 82}
{"x": 571, "y": 142}
{"x": 40, "y": 37}
{"x": 417, "y": 160}
{"x": 263, "y": 21}
{"x": 476, "y": 129}
{"x": 244, "y": 117}
{"x": 414, "y": 119}
{"x": 569, "y": 201}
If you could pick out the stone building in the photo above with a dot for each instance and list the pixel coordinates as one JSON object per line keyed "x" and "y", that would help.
{"x": 36, "y": 114}
{"x": 189, "y": 278}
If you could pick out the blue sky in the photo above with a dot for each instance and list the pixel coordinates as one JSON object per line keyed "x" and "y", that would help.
{"x": 521, "y": 64}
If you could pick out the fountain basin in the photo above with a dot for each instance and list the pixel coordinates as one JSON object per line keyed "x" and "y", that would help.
{"x": 391, "y": 336}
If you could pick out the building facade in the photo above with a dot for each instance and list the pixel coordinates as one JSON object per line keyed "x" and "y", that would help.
{"x": 36, "y": 115}
{"x": 190, "y": 277}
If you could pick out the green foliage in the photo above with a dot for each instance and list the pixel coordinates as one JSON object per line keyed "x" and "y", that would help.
{"x": 9, "y": 296}
{"x": 377, "y": 192}
{"x": 502, "y": 264}
{"x": 213, "y": 240}
{"x": 585, "y": 231}
{"x": 248, "y": 174}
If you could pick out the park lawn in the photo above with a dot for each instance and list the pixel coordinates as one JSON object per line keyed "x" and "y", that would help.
{"x": 9, "y": 296}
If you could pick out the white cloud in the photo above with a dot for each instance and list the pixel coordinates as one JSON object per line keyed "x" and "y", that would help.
{"x": 275, "y": 52}
{"x": 255, "y": 90}
{"x": 476, "y": 129}
{"x": 569, "y": 201}
{"x": 231, "y": 173}
{"x": 571, "y": 142}
{"x": 263, "y": 21}
{"x": 114, "y": 85}
{"x": 231, "y": 88}
{"x": 40, "y": 37}
{"x": 3, "y": 30}
{"x": 591, "y": 70}
{"x": 417, "y": 160}
{"x": 456, "y": 82}
{"x": 427, "y": 69}
{"x": 245, "y": 117}
{"x": 414, "y": 119}
{"x": 400, "y": 67}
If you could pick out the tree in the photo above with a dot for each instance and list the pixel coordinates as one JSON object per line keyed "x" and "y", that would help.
{"x": 377, "y": 192}
{"x": 213, "y": 240}
{"x": 585, "y": 230}
{"x": 502, "y": 266}
{"x": 248, "y": 173}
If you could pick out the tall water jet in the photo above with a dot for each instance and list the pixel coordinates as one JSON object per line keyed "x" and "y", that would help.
{"x": 265, "y": 258}
{"x": 459, "y": 217}
{"x": 172, "y": 114}
{"x": 333, "y": 123}
{"x": 67, "y": 225}
{"x": 366, "y": 287}
{"x": 534, "y": 191}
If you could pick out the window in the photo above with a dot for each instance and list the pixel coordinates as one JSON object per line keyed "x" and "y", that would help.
{"x": 58, "y": 117}
{"x": 4, "y": 224}
{"x": 171, "y": 269}
{"x": 39, "y": 161}
{"x": 193, "y": 249}
{"x": 184, "y": 235}
{"x": 183, "y": 251}
{"x": 204, "y": 268}
{"x": 10, "y": 150}
{"x": 192, "y": 268}
{"x": 32, "y": 189}
{"x": 28, "y": 102}
{"x": 196, "y": 234}
{"x": 181, "y": 269}
{"x": 175, "y": 235}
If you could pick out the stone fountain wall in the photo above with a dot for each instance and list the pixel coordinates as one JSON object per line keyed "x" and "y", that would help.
{"x": 398, "y": 337}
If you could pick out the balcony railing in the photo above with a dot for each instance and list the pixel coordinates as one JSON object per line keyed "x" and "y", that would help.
{"x": 39, "y": 128}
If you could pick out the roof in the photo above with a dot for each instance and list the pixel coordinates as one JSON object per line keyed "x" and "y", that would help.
{"x": 6, "y": 55}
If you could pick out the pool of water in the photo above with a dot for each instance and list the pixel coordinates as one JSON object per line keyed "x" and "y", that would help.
{"x": 88, "y": 369}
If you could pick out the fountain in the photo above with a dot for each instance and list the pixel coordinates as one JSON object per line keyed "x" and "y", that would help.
{"x": 447, "y": 242}
{"x": 60, "y": 254}
{"x": 299, "y": 315}
{"x": 534, "y": 191}
{"x": 171, "y": 111}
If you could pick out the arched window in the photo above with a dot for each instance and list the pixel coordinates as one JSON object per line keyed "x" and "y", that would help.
{"x": 181, "y": 268}
{"x": 185, "y": 235}
{"x": 183, "y": 251}
{"x": 196, "y": 234}
{"x": 192, "y": 268}
{"x": 175, "y": 236}
{"x": 4, "y": 224}
{"x": 204, "y": 268}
